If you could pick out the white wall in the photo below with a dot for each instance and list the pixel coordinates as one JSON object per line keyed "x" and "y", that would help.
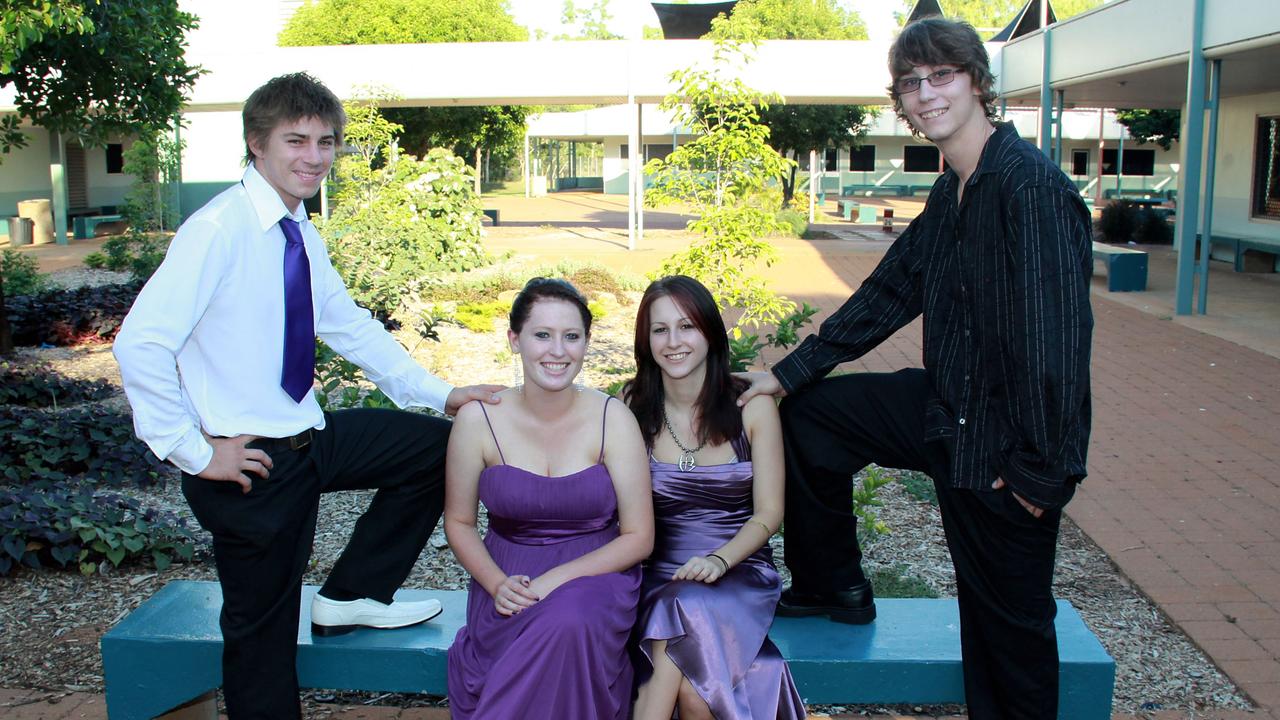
{"x": 1233, "y": 187}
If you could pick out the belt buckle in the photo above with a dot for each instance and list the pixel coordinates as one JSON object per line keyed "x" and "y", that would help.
{"x": 299, "y": 441}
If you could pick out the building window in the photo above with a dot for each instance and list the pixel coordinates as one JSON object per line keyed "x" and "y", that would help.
{"x": 624, "y": 151}
{"x": 1136, "y": 162}
{"x": 115, "y": 158}
{"x": 657, "y": 151}
{"x": 832, "y": 160}
{"x": 862, "y": 159}
{"x": 1079, "y": 162}
{"x": 921, "y": 159}
{"x": 1266, "y": 169}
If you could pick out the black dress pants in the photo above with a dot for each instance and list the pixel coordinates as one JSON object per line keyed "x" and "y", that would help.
{"x": 262, "y": 540}
{"x": 1003, "y": 555}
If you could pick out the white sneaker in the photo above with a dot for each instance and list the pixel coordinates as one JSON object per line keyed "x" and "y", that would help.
{"x": 334, "y": 617}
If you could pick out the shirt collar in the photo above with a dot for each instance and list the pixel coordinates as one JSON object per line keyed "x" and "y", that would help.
{"x": 266, "y": 202}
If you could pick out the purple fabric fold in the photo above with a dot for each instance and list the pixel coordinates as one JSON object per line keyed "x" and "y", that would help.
{"x": 716, "y": 634}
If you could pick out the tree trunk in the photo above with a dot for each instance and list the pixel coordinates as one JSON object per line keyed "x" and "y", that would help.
{"x": 6, "y": 336}
{"x": 479, "y": 152}
{"x": 789, "y": 183}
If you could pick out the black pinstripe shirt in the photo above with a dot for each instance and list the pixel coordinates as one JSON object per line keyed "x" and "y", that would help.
{"x": 1003, "y": 283}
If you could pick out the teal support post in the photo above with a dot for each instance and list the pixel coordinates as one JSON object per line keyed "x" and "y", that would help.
{"x": 1210, "y": 169}
{"x": 1046, "y": 96}
{"x": 1192, "y": 155}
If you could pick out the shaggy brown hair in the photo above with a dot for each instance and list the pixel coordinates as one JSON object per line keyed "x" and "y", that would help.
{"x": 939, "y": 41}
{"x": 290, "y": 98}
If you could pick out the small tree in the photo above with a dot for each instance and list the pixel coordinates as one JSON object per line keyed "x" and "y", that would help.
{"x": 724, "y": 174}
{"x": 154, "y": 160}
{"x": 398, "y": 219}
{"x": 1159, "y": 126}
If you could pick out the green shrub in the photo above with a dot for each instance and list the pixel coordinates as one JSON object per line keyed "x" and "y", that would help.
{"x": 40, "y": 447}
{"x": 479, "y": 317}
{"x": 919, "y": 486}
{"x": 70, "y": 317}
{"x": 40, "y": 386}
{"x": 95, "y": 260}
{"x": 1118, "y": 221}
{"x": 795, "y": 222}
{"x": 1152, "y": 229}
{"x": 866, "y": 499}
{"x": 70, "y": 523}
{"x": 21, "y": 274}
{"x": 340, "y": 387}
{"x": 139, "y": 253}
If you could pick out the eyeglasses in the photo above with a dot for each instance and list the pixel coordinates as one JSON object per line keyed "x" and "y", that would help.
{"x": 911, "y": 83}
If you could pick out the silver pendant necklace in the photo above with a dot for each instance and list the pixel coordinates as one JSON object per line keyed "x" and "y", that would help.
{"x": 687, "y": 461}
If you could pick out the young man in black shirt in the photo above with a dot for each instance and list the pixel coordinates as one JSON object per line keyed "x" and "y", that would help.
{"x": 998, "y": 265}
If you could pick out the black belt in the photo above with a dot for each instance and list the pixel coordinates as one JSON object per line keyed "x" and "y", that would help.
{"x": 293, "y": 442}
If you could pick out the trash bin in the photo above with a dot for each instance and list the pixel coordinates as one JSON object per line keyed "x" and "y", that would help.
{"x": 40, "y": 212}
{"x": 20, "y": 231}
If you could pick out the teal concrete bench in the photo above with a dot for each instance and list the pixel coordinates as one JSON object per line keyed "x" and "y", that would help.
{"x": 1126, "y": 267}
{"x": 866, "y": 213}
{"x": 1240, "y": 244}
{"x": 85, "y": 225}
{"x": 167, "y": 653}
{"x": 492, "y": 214}
{"x": 869, "y": 190}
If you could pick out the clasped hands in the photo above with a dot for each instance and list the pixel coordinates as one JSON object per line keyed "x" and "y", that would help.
{"x": 520, "y": 592}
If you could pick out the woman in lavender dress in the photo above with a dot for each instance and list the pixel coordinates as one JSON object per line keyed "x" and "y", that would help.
{"x": 555, "y": 581}
{"x": 710, "y": 587}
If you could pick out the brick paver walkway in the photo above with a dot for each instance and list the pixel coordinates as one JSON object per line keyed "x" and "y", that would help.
{"x": 1184, "y": 482}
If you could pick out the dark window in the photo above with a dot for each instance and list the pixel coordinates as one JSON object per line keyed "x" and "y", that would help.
{"x": 656, "y": 151}
{"x": 832, "y": 160}
{"x": 863, "y": 158}
{"x": 1136, "y": 162}
{"x": 1079, "y": 162}
{"x": 921, "y": 158}
{"x": 115, "y": 159}
{"x": 1266, "y": 169}
{"x": 624, "y": 151}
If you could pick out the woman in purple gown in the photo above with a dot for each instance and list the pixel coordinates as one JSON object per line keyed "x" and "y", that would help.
{"x": 555, "y": 581}
{"x": 710, "y": 587}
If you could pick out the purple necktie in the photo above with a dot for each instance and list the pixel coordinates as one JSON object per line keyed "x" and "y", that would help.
{"x": 298, "y": 372}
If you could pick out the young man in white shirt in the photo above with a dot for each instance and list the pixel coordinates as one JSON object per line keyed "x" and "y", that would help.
{"x": 217, "y": 359}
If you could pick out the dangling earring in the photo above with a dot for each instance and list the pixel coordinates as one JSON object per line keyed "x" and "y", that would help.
{"x": 517, "y": 371}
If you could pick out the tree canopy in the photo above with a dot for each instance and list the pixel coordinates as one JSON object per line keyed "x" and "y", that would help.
{"x": 394, "y": 22}
{"x": 794, "y": 130}
{"x": 464, "y": 130}
{"x": 591, "y": 21}
{"x": 94, "y": 70}
{"x": 1162, "y": 127}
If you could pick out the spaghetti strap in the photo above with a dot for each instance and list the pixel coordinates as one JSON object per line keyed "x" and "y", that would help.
{"x": 494, "y": 434}
{"x": 604, "y": 418}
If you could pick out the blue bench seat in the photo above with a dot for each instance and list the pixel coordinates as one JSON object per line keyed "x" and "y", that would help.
{"x": 1126, "y": 267}
{"x": 84, "y": 226}
{"x": 167, "y": 653}
{"x": 1240, "y": 244}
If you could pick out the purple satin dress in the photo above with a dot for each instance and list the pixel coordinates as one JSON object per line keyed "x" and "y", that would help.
{"x": 716, "y": 634}
{"x": 566, "y": 656}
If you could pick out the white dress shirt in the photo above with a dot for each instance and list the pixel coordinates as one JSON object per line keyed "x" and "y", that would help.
{"x": 202, "y": 346}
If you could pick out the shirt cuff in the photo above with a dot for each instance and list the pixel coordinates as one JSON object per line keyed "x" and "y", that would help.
{"x": 790, "y": 374}
{"x": 1048, "y": 489}
{"x": 193, "y": 454}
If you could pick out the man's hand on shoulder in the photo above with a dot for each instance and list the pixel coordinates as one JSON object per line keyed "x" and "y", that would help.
{"x": 762, "y": 383}
{"x": 462, "y": 395}
{"x": 232, "y": 460}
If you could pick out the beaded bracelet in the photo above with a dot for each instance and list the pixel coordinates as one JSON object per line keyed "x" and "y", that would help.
{"x": 723, "y": 562}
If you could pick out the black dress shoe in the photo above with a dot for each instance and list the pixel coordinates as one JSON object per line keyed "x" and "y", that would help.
{"x": 855, "y": 605}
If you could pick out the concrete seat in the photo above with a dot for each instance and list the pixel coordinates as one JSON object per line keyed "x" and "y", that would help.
{"x": 167, "y": 653}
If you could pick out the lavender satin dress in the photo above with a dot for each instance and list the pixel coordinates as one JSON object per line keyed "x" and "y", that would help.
{"x": 566, "y": 656}
{"x": 716, "y": 634}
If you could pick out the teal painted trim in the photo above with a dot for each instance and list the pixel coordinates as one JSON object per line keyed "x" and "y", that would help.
{"x": 168, "y": 652}
{"x": 193, "y": 196}
{"x": 1193, "y": 152}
